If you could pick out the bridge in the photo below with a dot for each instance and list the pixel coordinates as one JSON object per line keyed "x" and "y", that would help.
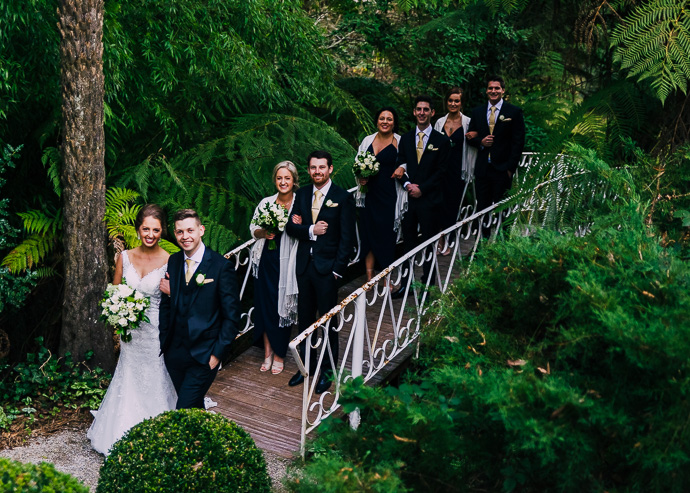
{"x": 377, "y": 333}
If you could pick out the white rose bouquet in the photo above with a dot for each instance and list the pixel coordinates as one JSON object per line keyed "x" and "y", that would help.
{"x": 272, "y": 217}
{"x": 123, "y": 308}
{"x": 365, "y": 165}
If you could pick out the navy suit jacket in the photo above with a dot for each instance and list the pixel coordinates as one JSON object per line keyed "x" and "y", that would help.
{"x": 331, "y": 251}
{"x": 429, "y": 172}
{"x": 213, "y": 310}
{"x": 509, "y": 139}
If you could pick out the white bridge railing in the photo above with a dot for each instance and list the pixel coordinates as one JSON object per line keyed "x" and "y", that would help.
{"x": 398, "y": 323}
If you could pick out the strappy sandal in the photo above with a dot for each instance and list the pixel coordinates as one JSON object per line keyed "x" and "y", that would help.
{"x": 266, "y": 365}
{"x": 277, "y": 367}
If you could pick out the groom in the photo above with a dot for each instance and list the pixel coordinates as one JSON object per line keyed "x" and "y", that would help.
{"x": 199, "y": 319}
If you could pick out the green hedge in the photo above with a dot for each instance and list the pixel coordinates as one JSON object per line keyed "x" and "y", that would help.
{"x": 16, "y": 477}
{"x": 558, "y": 364}
{"x": 185, "y": 451}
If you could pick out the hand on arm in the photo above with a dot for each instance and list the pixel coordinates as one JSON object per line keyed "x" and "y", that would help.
{"x": 165, "y": 284}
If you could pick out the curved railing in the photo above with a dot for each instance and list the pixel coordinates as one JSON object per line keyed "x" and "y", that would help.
{"x": 398, "y": 323}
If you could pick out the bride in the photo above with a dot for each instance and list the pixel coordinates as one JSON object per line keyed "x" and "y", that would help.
{"x": 141, "y": 387}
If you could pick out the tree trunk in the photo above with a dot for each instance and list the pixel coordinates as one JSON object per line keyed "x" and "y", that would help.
{"x": 83, "y": 180}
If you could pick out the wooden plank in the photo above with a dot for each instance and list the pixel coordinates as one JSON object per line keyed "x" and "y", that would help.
{"x": 268, "y": 408}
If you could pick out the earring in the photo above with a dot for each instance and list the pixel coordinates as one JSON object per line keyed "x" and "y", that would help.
{"x": 138, "y": 236}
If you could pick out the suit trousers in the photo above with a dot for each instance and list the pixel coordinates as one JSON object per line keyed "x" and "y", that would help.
{"x": 190, "y": 378}
{"x": 317, "y": 293}
{"x": 491, "y": 188}
{"x": 418, "y": 225}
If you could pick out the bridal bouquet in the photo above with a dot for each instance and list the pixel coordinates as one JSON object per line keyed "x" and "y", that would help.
{"x": 123, "y": 308}
{"x": 272, "y": 217}
{"x": 365, "y": 165}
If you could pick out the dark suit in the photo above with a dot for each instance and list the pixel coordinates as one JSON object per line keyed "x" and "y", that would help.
{"x": 492, "y": 180}
{"x": 423, "y": 212}
{"x": 197, "y": 321}
{"x": 317, "y": 261}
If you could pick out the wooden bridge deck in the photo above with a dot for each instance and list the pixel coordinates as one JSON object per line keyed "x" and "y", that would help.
{"x": 264, "y": 404}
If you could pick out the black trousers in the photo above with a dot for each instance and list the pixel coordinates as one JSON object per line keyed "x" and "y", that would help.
{"x": 318, "y": 293}
{"x": 427, "y": 221}
{"x": 491, "y": 188}
{"x": 190, "y": 378}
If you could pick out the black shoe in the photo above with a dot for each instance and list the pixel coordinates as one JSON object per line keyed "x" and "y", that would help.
{"x": 324, "y": 382}
{"x": 297, "y": 379}
{"x": 398, "y": 293}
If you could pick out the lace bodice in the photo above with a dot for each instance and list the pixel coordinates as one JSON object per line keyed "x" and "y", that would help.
{"x": 141, "y": 387}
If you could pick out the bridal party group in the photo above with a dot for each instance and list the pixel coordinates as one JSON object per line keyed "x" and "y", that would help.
{"x": 410, "y": 186}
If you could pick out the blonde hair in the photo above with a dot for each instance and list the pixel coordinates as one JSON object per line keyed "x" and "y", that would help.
{"x": 290, "y": 166}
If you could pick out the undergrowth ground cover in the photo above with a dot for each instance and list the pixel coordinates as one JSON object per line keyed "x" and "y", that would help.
{"x": 45, "y": 393}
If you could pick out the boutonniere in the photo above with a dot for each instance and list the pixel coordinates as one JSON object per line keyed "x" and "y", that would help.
{"x": 201, "y": 279}
{"x": 504, "y": 119}
{"x": 431, "y": 147}
{"x": 330, "y": 203}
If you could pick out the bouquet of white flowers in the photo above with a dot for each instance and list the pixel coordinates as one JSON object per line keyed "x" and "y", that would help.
{"x": 123, "y": 308}
{"x": 272, "y": 217}
{"x": 365, "y": 165}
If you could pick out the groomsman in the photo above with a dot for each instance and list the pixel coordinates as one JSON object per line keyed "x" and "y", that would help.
{"x": 422, "y": 160}
{"x": 497, "y": 130}
{"x": 323, "y": 220}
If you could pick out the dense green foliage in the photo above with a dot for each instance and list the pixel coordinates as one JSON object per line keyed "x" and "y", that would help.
{"x": 44, "y": 384}
{"x": 13, "y": 289}
{"x": 31, "y": 478}
{"x": 186, "y": 450}
{"x": 558, "y": 364}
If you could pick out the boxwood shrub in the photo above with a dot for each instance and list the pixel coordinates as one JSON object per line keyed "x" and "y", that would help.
{"x": 187, "y": 450}
{"x": 16, "y": 477}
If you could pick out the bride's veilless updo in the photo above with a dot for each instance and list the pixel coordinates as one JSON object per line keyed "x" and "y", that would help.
{"x": 151, "y": 210}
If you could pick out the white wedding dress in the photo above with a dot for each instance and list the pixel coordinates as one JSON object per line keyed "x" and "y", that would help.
{"x": 141, "y": 387}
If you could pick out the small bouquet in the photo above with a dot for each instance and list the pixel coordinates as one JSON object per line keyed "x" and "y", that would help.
{"x": 365, "y": 165}
{"x": 272, "y": 217}
{"x": 123, "y": 308}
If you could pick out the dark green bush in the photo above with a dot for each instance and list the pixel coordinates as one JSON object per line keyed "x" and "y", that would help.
{"x": 558, "y": 364}
{"x": 185, "y": 451}
{"x": 16, "y": 477}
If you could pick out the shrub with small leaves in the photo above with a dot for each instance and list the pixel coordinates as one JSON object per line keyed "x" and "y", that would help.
{"x": 187, "y": 450}
{"x": 16, "y": 477}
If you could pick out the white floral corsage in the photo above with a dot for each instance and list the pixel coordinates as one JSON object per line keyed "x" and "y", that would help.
{"x": 504, "y": 119}
{"x": 330, "y": 203}
{"x": 201, "y": 279}
{"x": 431, "y": 147}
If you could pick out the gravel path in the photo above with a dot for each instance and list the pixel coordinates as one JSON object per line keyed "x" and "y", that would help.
{"x": 70, "y": 451}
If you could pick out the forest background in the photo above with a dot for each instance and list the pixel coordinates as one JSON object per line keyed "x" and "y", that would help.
{"x": 202, "y": 98}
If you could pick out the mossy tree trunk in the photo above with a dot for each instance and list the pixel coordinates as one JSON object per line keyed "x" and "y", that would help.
{"x": 83, "y": 180}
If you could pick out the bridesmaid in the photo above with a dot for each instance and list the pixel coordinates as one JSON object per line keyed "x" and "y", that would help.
{"x": 275, "y": 288}
{"x": 382, "y": 210}
{"x": 460, "y": 170}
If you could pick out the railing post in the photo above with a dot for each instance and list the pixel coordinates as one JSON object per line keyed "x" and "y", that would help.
{"x": 359, "y": 326}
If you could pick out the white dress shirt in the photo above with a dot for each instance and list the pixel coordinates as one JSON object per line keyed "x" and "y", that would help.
{"x": 197, "y": 258}
{"x": 498, "y": 110}
{"x": 324, "y": 190}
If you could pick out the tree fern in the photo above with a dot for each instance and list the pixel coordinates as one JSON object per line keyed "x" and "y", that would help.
{"x": 654, "y": 43}
{"x": 224, "y": 178}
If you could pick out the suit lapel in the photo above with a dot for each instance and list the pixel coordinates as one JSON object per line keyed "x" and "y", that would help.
{"x": 177, "y": 276}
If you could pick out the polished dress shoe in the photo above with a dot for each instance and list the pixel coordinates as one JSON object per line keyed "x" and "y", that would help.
{"x": 324, "y": 382}
{"x": 297, "y": 379}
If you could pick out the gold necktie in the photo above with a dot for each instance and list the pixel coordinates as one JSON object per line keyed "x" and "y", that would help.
{"x": 420, "y": 146}
{"x": 316, "y": 206}
{"x": 492, "y": 120}
{"x": 190, "y": 270}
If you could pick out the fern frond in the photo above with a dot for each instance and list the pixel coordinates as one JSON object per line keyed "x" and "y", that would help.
{"x": 51, "y": 161}
{"x": 39, "y": 223}
{"x": 30, "y": 252}
{"x": 654, "y": 43}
